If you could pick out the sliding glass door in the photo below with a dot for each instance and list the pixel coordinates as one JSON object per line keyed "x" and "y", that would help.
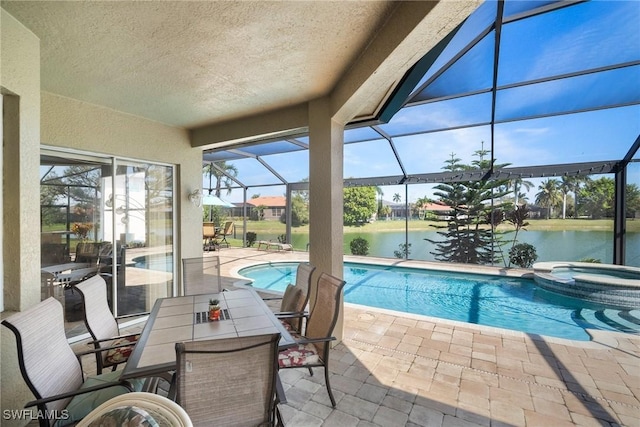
{"x": 117, "y": 225}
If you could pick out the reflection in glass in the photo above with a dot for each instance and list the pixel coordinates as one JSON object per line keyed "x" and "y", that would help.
{"x": 90, "y": 227}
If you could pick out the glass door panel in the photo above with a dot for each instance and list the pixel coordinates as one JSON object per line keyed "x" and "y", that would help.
{"x": 96, "y": 222}
{"x": 142, "y": 202}
{"x": 73, "y": 243}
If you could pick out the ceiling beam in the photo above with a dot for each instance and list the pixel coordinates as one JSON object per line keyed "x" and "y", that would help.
{"x": 284, "y": 122}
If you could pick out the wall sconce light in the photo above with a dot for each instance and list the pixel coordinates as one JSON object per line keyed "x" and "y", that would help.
{"x": 195, "y": 197}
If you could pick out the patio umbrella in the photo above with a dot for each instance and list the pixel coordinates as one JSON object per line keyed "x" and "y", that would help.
{"x": 211, "y": 200}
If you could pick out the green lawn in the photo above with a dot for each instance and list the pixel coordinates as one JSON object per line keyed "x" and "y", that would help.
{"x": 399, "y": 225}
{"x": 276, "y": 227}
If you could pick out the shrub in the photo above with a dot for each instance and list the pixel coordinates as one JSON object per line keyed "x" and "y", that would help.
{"x": 404, "y": 249}
{"x": 523, "y": 255}
{"x": 251, "y": 238}
{"x": 359, "y": 246}
{"x": 81, "y": 229}
{"x": 592, "y": 260}
{"x": 282, "y": 238}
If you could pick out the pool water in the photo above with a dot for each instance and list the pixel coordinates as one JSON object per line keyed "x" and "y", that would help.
{"x": 504, "y": 302}
{"x": 157, "y": 262}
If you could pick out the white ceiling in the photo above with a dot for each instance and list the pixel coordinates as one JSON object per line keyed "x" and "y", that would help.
{"x": 195, "y": 63}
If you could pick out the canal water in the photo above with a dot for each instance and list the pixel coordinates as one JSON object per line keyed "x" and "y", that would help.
{"x": 570, "y": 245}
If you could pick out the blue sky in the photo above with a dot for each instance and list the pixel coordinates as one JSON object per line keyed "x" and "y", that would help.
{"x": 585, "y": 36}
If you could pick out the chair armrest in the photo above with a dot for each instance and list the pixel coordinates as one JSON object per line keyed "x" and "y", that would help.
{"x": 114, "y": 338}
{"x": 101, "y": 349}
{"x": 127, "y": 316}
{"x": 305, "y": 340}
{"x": 291, "y": 314}
{"x": 81, "y": 391}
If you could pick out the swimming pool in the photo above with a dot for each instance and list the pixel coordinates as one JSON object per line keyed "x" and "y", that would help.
{"x": 504, "y": 302}
{"x": 157, "y": 261}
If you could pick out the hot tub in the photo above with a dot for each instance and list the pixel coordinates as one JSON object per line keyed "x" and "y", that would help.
{"x": 613, "y": 285}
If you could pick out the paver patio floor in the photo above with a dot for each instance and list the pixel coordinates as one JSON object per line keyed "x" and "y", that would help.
{"x": 393, "y": 369}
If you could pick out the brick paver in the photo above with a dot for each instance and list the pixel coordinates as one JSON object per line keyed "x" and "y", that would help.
{"x": 408, "y": 370}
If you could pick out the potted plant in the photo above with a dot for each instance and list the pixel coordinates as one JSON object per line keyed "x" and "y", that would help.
{"x": 214, "y": 309}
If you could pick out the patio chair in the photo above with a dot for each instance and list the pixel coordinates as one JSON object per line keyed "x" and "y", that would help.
{"x": 226, "y": 231}
{"x": 312, "y": 348}
{"x": 53, "y": 372}
{"x": 138, "y": 408}
{"x": 209, "y": 236}
{"x": 228, "y": 382}
{"x": 201, "y": 275}
{"x": 102, "y": 326}
{"x": 296, "y": 298}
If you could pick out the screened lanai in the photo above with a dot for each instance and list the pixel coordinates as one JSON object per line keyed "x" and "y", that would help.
{"x": 543, "y": 97}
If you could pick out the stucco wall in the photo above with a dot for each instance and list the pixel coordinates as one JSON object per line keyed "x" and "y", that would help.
{"x": 52, "y": 120}
{"x": 78, "y": 125}
{"x": 20, "y": 85}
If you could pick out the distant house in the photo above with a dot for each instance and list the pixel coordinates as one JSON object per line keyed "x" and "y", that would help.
{"x": 273, "y": 208}
{"x": 398, "y": 210}
{"x": 431, "y": 209}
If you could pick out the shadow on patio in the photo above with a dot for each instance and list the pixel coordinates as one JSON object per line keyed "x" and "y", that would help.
{"x": 394, "y": 369}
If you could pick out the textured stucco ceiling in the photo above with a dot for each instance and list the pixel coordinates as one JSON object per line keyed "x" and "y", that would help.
{"x": 192, "y": 63}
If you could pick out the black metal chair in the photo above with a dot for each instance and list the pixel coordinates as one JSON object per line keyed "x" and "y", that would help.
{"x": 312, "y": 347}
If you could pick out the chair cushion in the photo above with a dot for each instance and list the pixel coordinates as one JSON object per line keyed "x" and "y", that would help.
{"x": 120, "y": 354}
{"x": 129, "y": 416}
{"x": 82, "y": 404}
{"x": 298, "y": 355}
{"x": 287, "y": 326}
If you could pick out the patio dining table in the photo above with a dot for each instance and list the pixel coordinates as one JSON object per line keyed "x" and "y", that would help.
{"x": 185, "y": 318}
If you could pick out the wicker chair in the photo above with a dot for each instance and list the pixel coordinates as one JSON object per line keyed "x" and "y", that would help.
{"x": 138, "y": 408}
{"x": 53, "y": 372}
{"x": 102, "y": 326}
{"x": 228, "y": 382}
{"x": 201, "y": 275}
{"x": 312, "y": 348}
{"x": 296, "y": 298}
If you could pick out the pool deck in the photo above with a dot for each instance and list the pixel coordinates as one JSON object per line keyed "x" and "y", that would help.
{"x": 395, "y": 369}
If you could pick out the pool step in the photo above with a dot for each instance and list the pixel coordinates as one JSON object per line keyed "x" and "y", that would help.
{"x": 627, "y": 321}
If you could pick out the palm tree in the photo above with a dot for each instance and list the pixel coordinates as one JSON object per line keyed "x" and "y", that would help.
{"x": 549, "y": 195}
{"x": 419, "y": 205}
{"x": 221, "y": 178}
{"x": 566, "y": 186}
{"x": 579, "y": 181}
{"x": 397, "y": 198}
{"x": 386, "y": 211}
{"x": 517, "y": 184}
{"x": 380, "y": 194}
